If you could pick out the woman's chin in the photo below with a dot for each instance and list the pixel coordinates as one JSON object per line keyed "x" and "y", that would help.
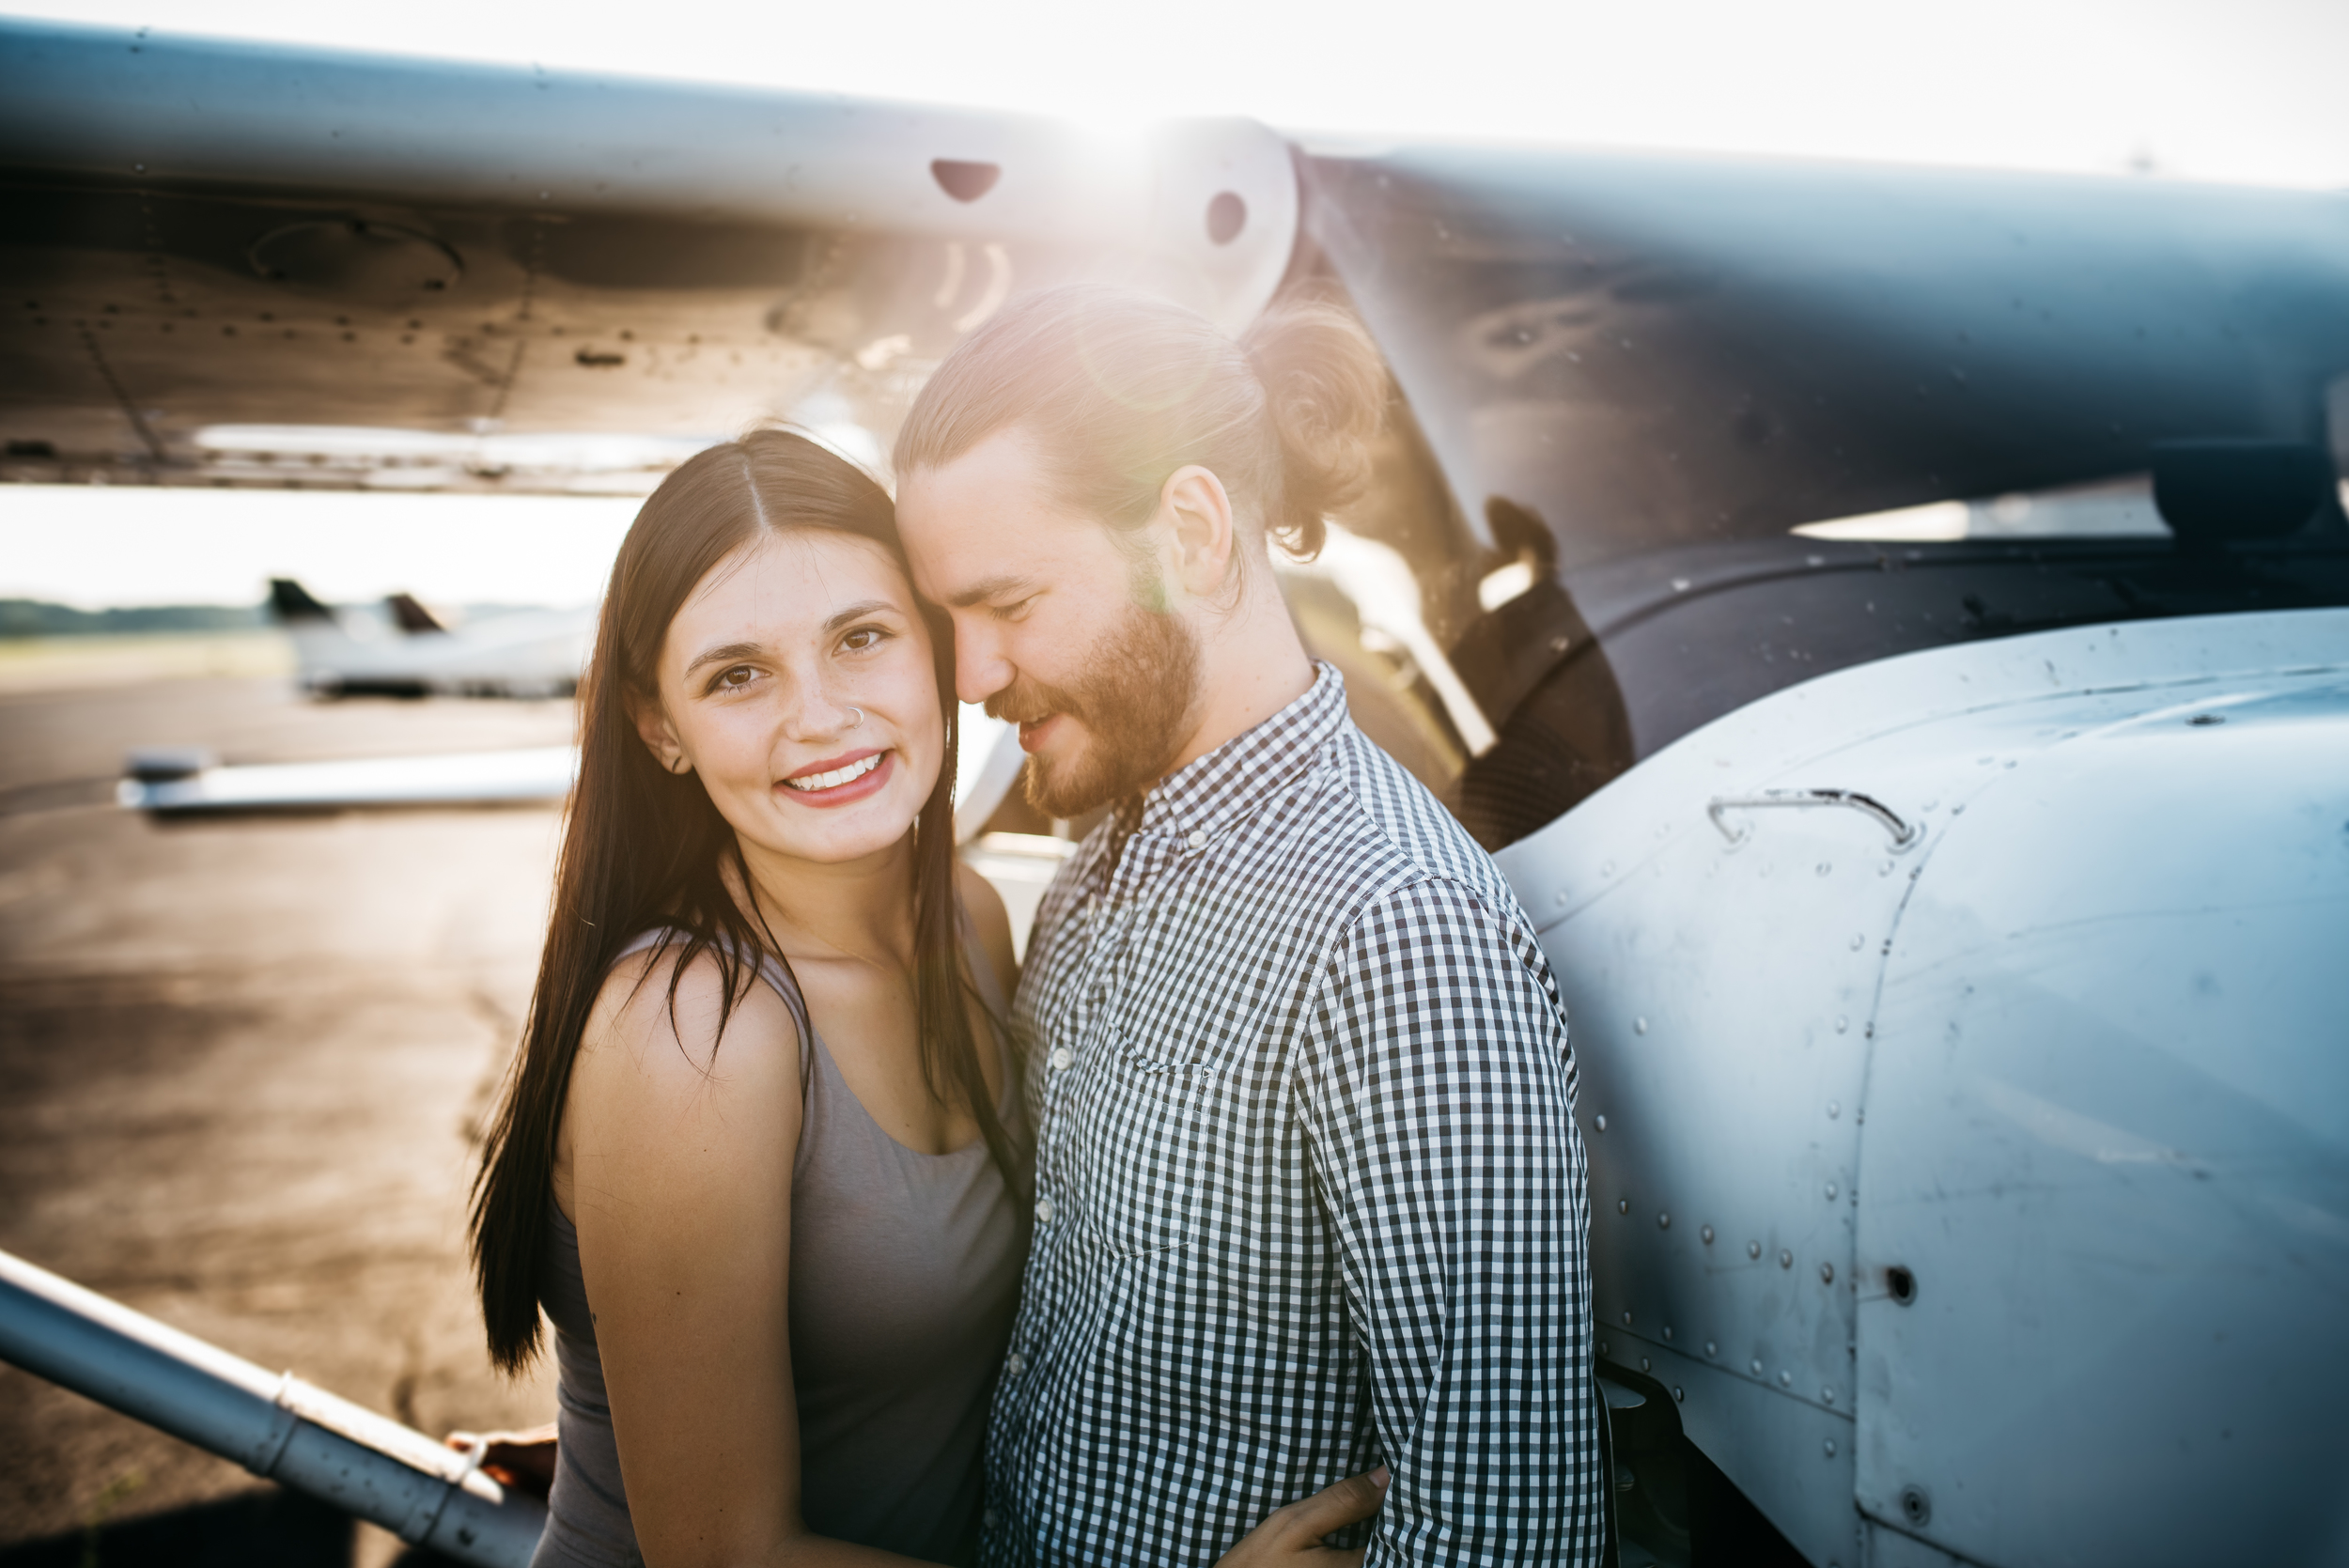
{"x": 839, "y": 834}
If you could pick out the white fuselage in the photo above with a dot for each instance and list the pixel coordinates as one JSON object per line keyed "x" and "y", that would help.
{"x": 2076, "y": 1059}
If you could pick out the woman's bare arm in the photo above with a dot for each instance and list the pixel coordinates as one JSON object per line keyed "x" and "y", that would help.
{"x": 679, "y": 1163}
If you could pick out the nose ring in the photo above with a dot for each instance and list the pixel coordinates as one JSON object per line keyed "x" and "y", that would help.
{"x": 858, "y": 720}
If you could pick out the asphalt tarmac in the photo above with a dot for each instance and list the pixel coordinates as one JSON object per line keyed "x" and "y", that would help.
{"x": 243, "y": 1066}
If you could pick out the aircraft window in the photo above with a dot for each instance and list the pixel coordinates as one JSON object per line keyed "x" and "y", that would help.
{"x": 1674, "y": 436}
{"x": 2121, "y": 509}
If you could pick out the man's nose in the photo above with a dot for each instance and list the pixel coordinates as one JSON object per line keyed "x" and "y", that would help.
{"x": 980, "y": 668}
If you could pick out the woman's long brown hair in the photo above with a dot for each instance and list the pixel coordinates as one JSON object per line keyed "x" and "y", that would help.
{"x": 643, "y": 847}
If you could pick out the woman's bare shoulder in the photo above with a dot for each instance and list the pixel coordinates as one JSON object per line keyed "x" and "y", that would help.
{"x": 666, "y": 1023}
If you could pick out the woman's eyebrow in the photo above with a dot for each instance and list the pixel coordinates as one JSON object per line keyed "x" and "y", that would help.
{"x": 857, "y": 612}
{"x": 729, "y": 652}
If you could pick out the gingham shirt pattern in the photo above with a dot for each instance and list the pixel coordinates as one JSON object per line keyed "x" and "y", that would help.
{"x": 1309, "y": 1191}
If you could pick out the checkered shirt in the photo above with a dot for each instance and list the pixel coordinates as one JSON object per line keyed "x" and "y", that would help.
{"x": 1309, "y": 1192}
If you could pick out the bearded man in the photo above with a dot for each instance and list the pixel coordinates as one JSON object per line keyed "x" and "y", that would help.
{"x": 1309, "y": 1192}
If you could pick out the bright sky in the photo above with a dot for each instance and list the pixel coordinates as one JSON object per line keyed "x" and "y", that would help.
{"x": 2244, "y": 90}
{"x": 99, "y": 545}
{"x": 2223, "y": 89}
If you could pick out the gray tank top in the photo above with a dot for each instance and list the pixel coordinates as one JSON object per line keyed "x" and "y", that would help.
{"x": 905, "y": 1275}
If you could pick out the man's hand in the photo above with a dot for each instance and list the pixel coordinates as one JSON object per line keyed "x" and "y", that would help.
{"x": 518, "y": 1461}
{"x": 1291, "y": 1537}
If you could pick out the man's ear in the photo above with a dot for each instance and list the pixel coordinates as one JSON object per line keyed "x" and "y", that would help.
{"x": 1195, "y": 514}
{"x": 659, "y": 735}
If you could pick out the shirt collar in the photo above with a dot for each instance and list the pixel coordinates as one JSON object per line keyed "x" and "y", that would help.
{"x": 1210, "y": 792}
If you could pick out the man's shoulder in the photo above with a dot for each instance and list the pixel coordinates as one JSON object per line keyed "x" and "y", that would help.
{"x": 1405, "y": 836}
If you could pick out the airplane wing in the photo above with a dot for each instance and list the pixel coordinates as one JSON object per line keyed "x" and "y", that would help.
{"x": 194, "y": 785}
{"x": 178, "y": 781}
{"x": 1623, "y": 380}
{"x": 235, "y": 262}
{"x": 229, "y": 261}
{"x": 1652, "y": 350}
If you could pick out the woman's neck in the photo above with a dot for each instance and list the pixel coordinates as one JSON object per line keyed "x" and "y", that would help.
{"x": 860, "y": 909}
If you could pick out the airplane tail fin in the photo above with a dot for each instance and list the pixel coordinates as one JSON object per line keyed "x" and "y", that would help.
{"x": 291, "y": 603}
{"x": 410, "y": 616}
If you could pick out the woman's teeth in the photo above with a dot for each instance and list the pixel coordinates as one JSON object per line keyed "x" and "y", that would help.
{"x": 837, "y": 777}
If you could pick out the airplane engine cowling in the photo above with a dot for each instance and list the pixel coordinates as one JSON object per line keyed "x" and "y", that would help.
{"x": 1965, "y": 1045}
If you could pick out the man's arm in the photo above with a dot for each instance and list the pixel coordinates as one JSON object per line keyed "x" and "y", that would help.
{"x": 1437, "y": 1093}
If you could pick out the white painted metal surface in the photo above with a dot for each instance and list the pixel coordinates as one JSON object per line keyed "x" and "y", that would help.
{"x": 274, "y": 1425}
{"x": 173, "y": 110}
{"x": 2074, "y": 1056}
{"x": 538, "y": 773}
{"x": 535, "y": 653}
{"x": 191, "y": 782}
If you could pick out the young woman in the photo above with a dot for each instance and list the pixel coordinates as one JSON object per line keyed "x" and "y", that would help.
{"x": 761, "y": 1159}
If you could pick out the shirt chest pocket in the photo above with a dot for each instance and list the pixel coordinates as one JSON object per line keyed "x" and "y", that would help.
{"x": 1147, "y": 1117}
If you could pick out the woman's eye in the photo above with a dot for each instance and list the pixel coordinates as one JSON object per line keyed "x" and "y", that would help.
{"x": 862, "y": 638}
{"x": 734, "y": 679}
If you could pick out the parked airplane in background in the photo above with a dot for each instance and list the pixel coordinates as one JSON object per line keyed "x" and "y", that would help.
{"x": 408, "y": 652}
{"x": 1892, "y": 626}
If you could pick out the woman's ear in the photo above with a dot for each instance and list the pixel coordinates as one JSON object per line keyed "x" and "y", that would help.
{"x": 653, "y": 728}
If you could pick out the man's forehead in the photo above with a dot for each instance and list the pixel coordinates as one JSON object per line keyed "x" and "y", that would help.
{"x": 1002, "y": 477}
{"x": 975, "y": 523}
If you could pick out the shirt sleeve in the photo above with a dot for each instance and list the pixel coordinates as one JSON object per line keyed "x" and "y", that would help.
{"x": 1436, "y": 1092}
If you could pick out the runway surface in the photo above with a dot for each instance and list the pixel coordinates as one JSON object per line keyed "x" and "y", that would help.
{"x": 243, "y": 1069}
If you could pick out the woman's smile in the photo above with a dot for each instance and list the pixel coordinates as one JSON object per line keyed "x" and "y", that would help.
{"x": 837, "y": 781}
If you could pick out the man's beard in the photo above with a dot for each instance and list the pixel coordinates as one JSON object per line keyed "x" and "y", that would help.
{"x": 1134, "y": 702}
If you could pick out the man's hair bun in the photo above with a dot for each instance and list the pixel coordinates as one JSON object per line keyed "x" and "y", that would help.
{"x": 1325, "y": 394}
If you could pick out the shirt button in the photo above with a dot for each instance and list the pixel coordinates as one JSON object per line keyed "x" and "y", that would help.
{"x": 1014, "y": 1364}
{"x": 1198, "y": 839}
{"x": 1044, "y": 1211}
{"x": 988, "y": 1519}
{"x": 1062, "y": 1058}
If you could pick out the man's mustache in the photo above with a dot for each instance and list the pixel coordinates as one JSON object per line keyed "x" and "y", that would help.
{"x": 1023, "y": 703}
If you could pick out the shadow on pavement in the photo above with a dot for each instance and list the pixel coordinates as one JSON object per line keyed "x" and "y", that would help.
{"x": 258, "y": 1530}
